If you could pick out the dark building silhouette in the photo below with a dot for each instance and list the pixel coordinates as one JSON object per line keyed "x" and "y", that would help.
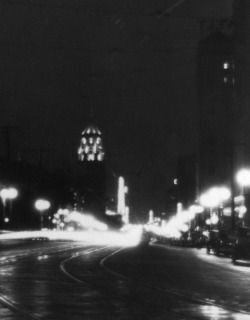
{"x": 241, "y": 32}
{"x": 215, "y": 88}
{"x": 92, "y": 179}
{"x": 185, "y": 179}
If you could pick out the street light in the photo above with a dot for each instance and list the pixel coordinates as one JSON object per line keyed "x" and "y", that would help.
{"x": 243, "y": 179}
{"x": 7, "y": 194}
{"x": 212, "y": 199}
{"x": 42, "y": 205}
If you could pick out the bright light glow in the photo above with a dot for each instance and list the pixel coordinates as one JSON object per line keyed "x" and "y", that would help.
{"x": 6, "y": 220}
{"x": 126, "y": 216}
{"x": 196, "y": 208}
{"x": 210, "y": 199}
{"x": 224, "y": 193}
{"x": 208, "y": 221}
{"x": 184, "y": 228}
{"x": 4, "y": 193}
{"x": 87, "y": 221}
{"x": 63, "y": 212}
{"x": 242, "y": 211}
{"x": 121, "y": 196}
{"x": 151, "y": 216}
{"x": 243, "y": 177}
{"x": 91, "y": 148}
{"x": 239, "y": 199}
{"x": 130, "y": 237}
{"x": 110, "y": 213}
{"x": 225, "y": 65}
{"x": 9, "y": 193}
{"x": 227, "y": 211}
{"x": 12, "y": 193}
{"x": 214, "y": 219}
{"x": 179, "y": 207}
{"x": 214, "y": 196}
{"x": 42, "y": 204}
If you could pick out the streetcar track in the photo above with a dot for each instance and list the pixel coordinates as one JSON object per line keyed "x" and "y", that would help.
{"x": 36, "y": 252}
{"x": 62, "y": 264}
{"x": 109, "y": 292}
{"x": 12, "y": 305}
{"x": 171, "y": 292}
{"x": 15, "y": 307}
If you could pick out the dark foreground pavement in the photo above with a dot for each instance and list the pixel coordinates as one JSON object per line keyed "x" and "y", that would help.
{"x": 70, "y": 280}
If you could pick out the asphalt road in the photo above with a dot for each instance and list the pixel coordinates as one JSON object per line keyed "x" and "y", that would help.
{"x": 73, "y": 280}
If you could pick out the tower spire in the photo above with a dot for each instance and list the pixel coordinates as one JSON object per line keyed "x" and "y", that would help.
{"x": 91, "y": 114}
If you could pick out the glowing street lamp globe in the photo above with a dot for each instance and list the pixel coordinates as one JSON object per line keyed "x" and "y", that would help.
{"x": 13, "y": 193}
{"x": 8, "y": 193}
{"x": 209, "y": 200}
{"x": 243, "y": 177}
{"x": 4, "y": 194}
{"x": 214, "y": 196}
{"x": 42, "y": 205}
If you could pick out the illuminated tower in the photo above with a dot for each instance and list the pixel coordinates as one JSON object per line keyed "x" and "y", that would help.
{"x": 92, "y": 162}
{"x": 91, "y": 146}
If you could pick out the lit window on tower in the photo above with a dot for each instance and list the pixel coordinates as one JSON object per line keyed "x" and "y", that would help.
{"x": 91, "y": 157}
{"x": 91, "y": 148}
{"x": 100, "y": 156}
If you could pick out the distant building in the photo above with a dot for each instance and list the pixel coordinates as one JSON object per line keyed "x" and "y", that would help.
{"x": 185, "y": 180}
{"x": 92, "y": 179}
{"x": 216, "y": 109}
{"x": 91, "y": 145}
{"x": 242, "y": 89}
{"x": 242, "y": 85}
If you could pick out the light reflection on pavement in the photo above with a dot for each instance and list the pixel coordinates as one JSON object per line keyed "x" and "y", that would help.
{"x": 136, "y": 283}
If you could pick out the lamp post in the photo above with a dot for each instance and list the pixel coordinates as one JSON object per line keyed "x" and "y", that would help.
{"x": 243, "y": 180}
{"x": 42, "y": 205}
{"x": 212, "y": 199}
{"x": 8, "y": 194}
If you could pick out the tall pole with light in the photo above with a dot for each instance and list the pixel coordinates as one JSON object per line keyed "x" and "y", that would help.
{"x": 42, "y": 205}
{"x": 214, "y": 199}
{"x": 8, "y": 194}
{"x": 243, "y": 180}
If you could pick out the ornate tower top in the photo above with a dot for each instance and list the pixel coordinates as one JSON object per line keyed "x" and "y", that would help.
{"x": 91, "y": 146}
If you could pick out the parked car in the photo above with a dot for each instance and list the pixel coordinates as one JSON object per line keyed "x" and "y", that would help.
{"x": 221, "y": 242}
{"x": 242, "y": 246}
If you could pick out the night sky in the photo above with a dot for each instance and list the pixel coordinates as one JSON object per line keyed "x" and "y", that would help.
{"x": 132, "y": 61}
